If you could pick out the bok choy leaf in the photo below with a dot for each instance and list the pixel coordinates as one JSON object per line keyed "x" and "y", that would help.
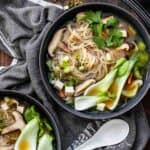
{"x": 95, "y": 93}
{"x": 103, "y": 85}
{"x": 46, "y": 142}
{"x": 112, "y": 83}
{"x": 120, "y": 81}
{"x": 86, "y": 102}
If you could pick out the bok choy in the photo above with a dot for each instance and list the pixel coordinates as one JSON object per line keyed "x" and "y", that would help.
{"x": 45, "y": 142}
{"x": 120, "y": 81}
{"x": 101, "y": 86}
{"x": 86, "y": 102}
{"x": 131, "y": 89}
{"x": 113, "y": 82}
{"x": 94, "y": 94}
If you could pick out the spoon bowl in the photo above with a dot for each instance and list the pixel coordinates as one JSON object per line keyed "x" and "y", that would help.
{"x": 110, "y": 133}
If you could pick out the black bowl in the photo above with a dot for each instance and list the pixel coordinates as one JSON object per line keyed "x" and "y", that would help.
{"x": 49, "y": 116}
{"x": 69, "y": 15}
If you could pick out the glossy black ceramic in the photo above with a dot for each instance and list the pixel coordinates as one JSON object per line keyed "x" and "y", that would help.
{"x": 69, "y": 15}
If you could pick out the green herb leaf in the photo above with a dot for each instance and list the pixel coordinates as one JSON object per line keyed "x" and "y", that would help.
{"x": 99, "y": 42}
{"x": 97, "y": 29}
{"x": 115, "y": 38}
{"x": 116, "y": 33}
{"x": 72, "y": 82}
{"x": 31, "y": 113}
{"x": 109, "y": 42}
{"x": 93, "y": 17}
{"x": 112, "y": 22}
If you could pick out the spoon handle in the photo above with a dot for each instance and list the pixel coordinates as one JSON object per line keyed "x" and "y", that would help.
{"x": 85, "y": 147}
{"x": 89, "y": 145}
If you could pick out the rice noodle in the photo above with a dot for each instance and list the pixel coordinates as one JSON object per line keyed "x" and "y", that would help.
{"x": 79, "y": 41}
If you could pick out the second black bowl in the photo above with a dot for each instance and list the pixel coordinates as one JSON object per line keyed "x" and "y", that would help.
{"x": 31, "y": 101}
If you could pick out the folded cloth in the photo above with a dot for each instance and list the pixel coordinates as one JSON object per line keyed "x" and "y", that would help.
{"x": 22, "y": 27}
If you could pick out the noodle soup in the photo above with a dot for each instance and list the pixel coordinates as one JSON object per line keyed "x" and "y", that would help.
{"x": 96, "y": 62}
{"x": 22, "y": 127}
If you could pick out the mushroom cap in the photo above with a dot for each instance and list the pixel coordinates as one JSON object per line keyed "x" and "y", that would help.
{"x": 19, "y": 123}
{"x": 81, "y": 87}
{"x": 54, "y": 42}
{"x": 9, "y": 147}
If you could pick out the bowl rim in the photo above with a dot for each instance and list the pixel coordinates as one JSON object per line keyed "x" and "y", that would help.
{"x": 49, "y": 115}
{"x": 83, "y": 114}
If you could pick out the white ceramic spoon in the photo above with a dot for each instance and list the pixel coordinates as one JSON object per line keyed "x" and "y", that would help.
{"x": 110, "y": 133}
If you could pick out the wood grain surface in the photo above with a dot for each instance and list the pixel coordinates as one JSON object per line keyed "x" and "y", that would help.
{"x": 5, "y": 60}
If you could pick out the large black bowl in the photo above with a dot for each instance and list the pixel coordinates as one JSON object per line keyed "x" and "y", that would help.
{"x": 69, "y": 15}
{"x": 49, "y": 116}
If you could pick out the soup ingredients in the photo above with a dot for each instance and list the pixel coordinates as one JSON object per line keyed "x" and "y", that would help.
{"x": 55, "y": 41}
{"x": 101, "y": 106}
{"x": 21, "y": 126}
{"x": 86, "y": 102}
{"x": 30, "y": 114}
{"x": 59, "y": 85}
{"x": 101, "y": 88}
{"x": 131, "y": 30}
{"x": 114, "y": 81}
{"x": 45, "y": 142}
{"x": 7, "y": 147}
{"x": 103, "y": 85}
{"x": 20, "y": 109}
{"x": 80, "y": 16}
{"x": 4, "y": 106}
{"x": 110, "y": 20}
{"x": 130, "y": 90}
{"x": 81, "y": 87}
{"x": 62, "y": 94}
{"x": 8, "y": 119}
{"x": 19, "y": 123}
{"x": 119, "y": 83}
{"x": 93, "y": 60}
{"x": 139, "y": 68}
{"x": 28, "y": 137}
{"x": 69, "y": 90}
{"x": 115, "y": 38}
{"x": 124, "y": 46}
{"x": 124, "y": 33}
{"x": 44, "y": 126}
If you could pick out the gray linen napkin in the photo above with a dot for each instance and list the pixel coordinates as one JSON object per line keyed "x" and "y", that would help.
{"x": 22, "y": 26}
